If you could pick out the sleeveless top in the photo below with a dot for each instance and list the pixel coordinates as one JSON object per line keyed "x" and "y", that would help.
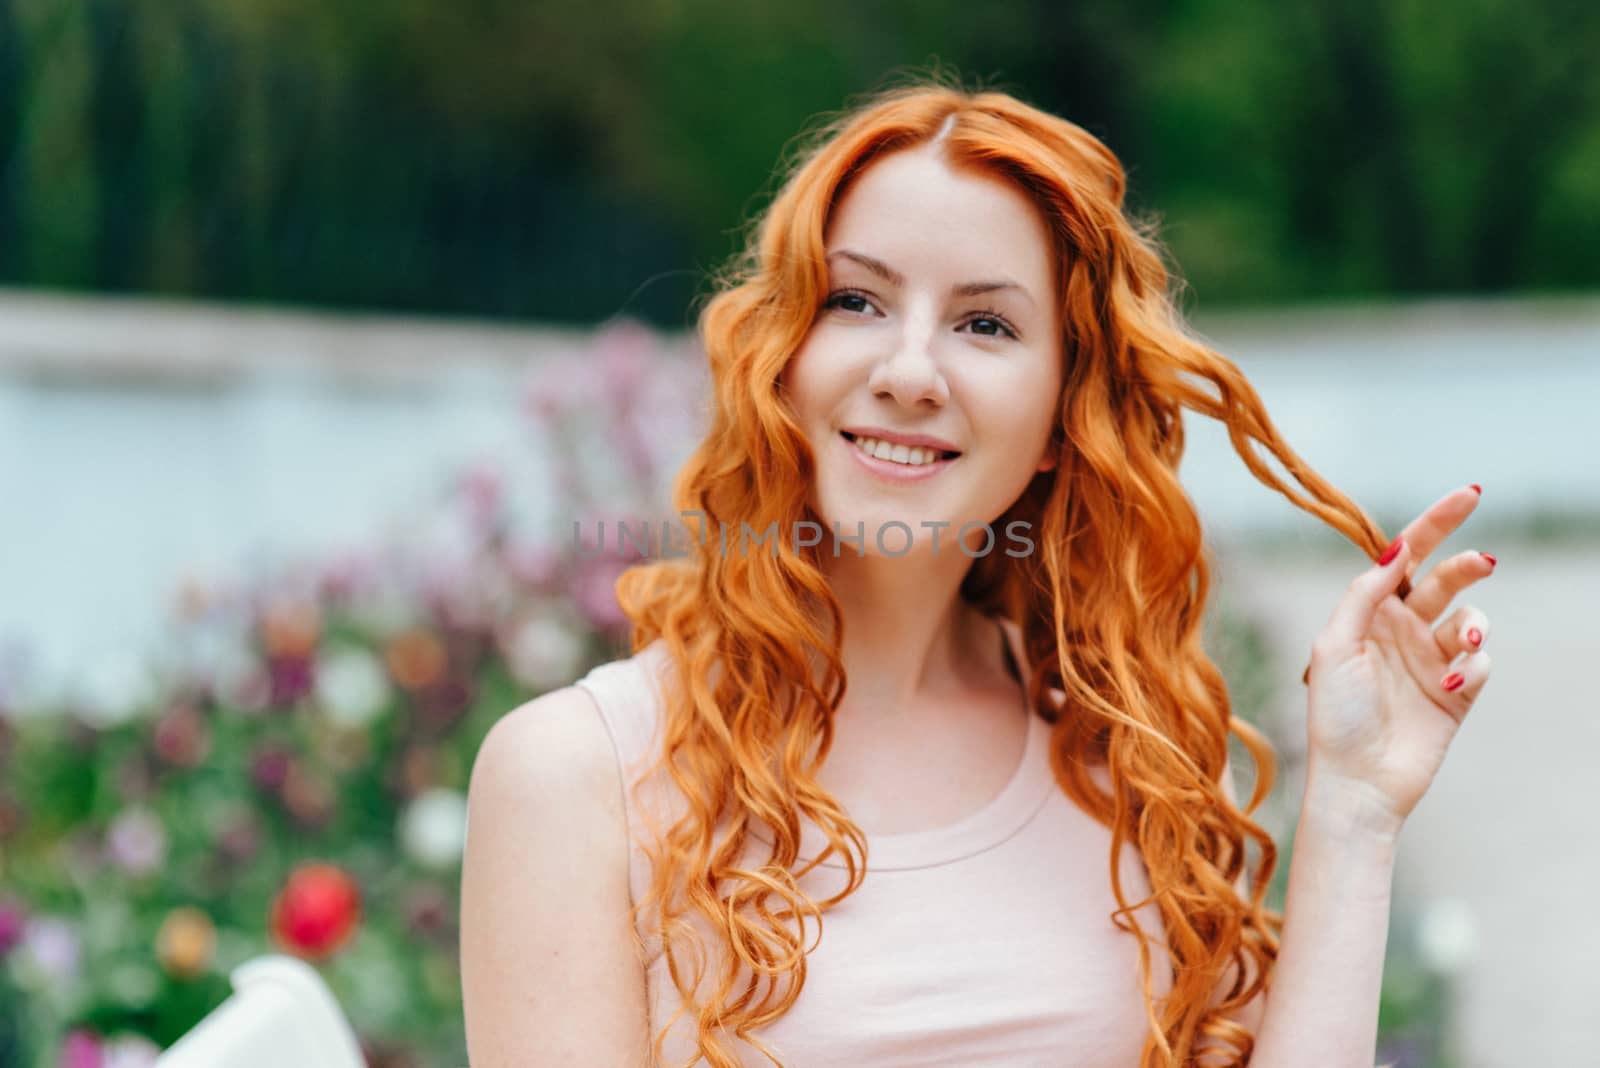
{"x": 988, "y": 941}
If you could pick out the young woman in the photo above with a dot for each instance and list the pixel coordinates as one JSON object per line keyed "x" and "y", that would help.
{"x": 918, "y": 759}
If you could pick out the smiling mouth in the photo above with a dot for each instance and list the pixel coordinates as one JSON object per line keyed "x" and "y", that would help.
{"x": 919, "y": 455}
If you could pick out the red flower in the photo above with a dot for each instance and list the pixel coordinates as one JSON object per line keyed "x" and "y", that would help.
{"x": 316, "y": 911}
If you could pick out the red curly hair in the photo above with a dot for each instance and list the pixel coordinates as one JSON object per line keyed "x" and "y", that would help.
{"x": 1109, "y": 605}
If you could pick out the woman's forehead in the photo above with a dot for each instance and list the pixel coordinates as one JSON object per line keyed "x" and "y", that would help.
{"x": 915, "y": 213}
{"x": 911, "y": 219}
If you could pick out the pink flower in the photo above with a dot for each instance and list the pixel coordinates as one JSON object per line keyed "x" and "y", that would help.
{"x": 81, "y": 1049}
{"x": 13, "y": 924}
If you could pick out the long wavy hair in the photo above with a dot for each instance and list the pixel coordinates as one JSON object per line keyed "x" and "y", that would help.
{"x": 1109, "y": 604}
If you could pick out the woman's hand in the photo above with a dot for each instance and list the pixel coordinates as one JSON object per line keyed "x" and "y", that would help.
{"x": 1387, "y": 693}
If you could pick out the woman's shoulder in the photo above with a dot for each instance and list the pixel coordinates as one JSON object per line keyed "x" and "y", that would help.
{"x": 567, "y": 740}
{"x": 552, "y": 744}
{"x": 548, "y": 756}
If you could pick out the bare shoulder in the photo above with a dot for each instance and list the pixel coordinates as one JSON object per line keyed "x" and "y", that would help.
{"x": 551, "y": 968}
{"x": 554, "y": 747}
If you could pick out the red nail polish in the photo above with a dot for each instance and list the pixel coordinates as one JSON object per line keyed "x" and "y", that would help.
{"x": 1453, "y": 681}
{"x": 1492, "y": 560}
{"x": 1477, "y": 489}
{"x": 1391, "y": 552}
{"x": 1475, "y": 636}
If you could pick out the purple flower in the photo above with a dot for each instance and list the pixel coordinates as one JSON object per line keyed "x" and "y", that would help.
{"x": 55, "y": 948}
{"x": 137, "y": 841}
{"x": 290, "y": 679}
{"x": 269, "y": 767}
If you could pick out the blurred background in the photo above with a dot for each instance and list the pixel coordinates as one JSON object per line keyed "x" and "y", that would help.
{"x": 320, "y": 324}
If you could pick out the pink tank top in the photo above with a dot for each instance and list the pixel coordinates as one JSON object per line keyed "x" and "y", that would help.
{"x": 984, "y": 942}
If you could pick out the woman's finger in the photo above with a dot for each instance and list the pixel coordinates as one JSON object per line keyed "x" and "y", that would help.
{"x": 1426, "y": 532}
{"x": 1347, "y": 626}
{"x": 1465, "y": 631}
{"x": 1430, "y": 596}
{"x": 1460, "y": 686}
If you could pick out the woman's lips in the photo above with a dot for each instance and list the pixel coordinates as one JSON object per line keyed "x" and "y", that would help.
{"x": 889, "y": 471}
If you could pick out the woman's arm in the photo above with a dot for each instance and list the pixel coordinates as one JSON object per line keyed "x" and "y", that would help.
{"x": 1392, "y": 679}
{"x": 1323, "y": 1009}
{"x": 551, "y": 972}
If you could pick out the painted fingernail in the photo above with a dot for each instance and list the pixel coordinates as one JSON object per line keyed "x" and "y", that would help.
{"x": 1477, "y": 489}
{"x": 1391, "y": 552}
{"x": 1492, "y": 560}
{"x": 1453, "y": 681}
{"x": 1475, "y": 636}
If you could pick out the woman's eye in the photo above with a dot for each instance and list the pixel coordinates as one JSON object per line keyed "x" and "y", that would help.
{"x": 1000, "y": 328}
{"x": 983, "y": 324}
{"x": 840, "y": 300}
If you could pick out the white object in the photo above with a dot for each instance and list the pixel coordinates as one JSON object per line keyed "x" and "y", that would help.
{"x": 281, "y": 1012}
{"x": 433, "y": 828}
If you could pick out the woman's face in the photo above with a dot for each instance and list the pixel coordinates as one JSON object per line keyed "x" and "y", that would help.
{"x": 939, "y": 320}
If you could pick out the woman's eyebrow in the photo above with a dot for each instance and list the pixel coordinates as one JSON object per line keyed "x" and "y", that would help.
{"x": 895, "y": 278}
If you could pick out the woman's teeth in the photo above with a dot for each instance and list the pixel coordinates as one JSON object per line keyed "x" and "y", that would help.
{"x": 911, "y": 456}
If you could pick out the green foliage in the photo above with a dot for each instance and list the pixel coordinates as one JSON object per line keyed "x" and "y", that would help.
{"x": 570, "y": 161}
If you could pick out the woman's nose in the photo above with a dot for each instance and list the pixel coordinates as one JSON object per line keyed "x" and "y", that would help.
{"x": 909, "y": 373}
